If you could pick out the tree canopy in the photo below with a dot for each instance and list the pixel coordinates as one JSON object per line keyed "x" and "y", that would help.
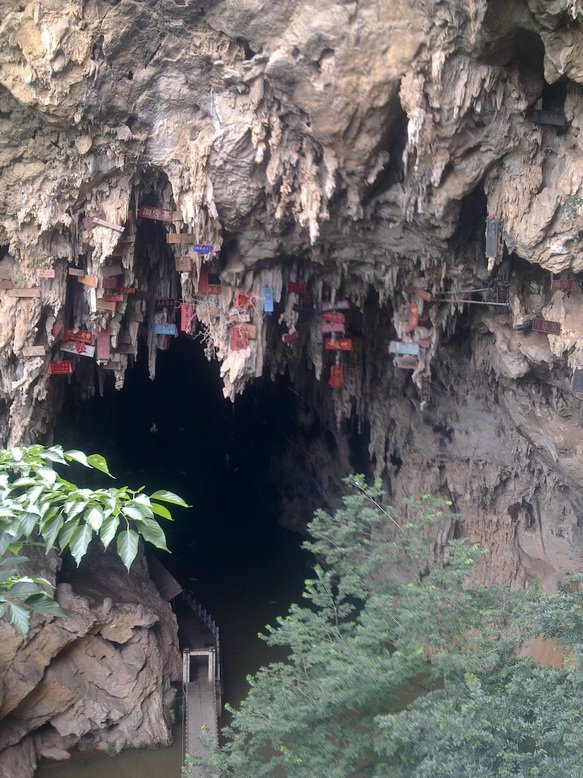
{"x": 399, "y": 666}
{"x": 38, "y": 506}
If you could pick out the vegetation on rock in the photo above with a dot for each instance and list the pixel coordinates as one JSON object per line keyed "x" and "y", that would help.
{"x": 399, "y": 665}
{"x": 38, "y": 506}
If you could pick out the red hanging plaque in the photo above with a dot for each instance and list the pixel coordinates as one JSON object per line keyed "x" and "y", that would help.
{"x": 290, "y": 337}
{"x": 109, "y": 283}
{"x": 334, "y": 316}
{"x": 329, "y": 327}
{"x": 60, "y": 368}
{"x": 239, "y": 339}
{"x": 157, "y": 214}
{"x": 336, "y": 377}
{"x": 340, "y": 344}
{"x": 297, "y": 287}
{"x": 186, "y": 317}
{"x": 103, "y": 344}
{"x": 203, "y": 282}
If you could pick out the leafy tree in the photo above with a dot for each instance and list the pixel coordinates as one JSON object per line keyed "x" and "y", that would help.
{"x": 38, "y": 506}
{"x": 397, "y": 666}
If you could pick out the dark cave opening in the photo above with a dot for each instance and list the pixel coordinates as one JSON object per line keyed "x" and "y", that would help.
{"x": 179, "y": 433}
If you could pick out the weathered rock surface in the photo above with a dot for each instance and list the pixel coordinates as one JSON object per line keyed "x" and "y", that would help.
{"x": 355, "y": 148}
{"x": 101, "y": 675}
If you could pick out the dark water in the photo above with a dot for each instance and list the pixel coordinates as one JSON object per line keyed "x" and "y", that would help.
{"x": 179, "y": 433}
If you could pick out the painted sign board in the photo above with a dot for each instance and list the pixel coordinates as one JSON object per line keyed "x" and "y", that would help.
{"x": 75, "y": 347}
{"x": 238, "y": 340}
{"x": 45, "y": 272}
{"x": 174, "y": 238}
{"x": 163, "y": 328}
{"x": 60, "y": 368}
{"x": 81, "y": 336}
{"x": 165, "y": 302}
{"x": 396, "y": 347}
{"x": 202, "y": 248}
{"x": 267, "y": 299}
{"x": 156, "y": 214}
{"x": 186, "y": 317}
{"x": 338, "y": 344}
{"x": 562, "y": 284}
{"x": 203, "y": 282}
{"x": 76, "y": 271}
{"x": 550, "y": 327}
{"x": 334, "y": 316}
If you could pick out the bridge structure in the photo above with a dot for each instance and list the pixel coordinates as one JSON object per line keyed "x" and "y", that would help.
{"x": 201, "y": 677}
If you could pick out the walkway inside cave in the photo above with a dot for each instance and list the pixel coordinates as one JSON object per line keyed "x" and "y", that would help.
{"x": 178, "y": 432}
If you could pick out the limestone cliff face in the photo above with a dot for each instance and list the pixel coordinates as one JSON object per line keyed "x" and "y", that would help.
{"x": 323, "y": 154}
{"x": 99, "y": 677}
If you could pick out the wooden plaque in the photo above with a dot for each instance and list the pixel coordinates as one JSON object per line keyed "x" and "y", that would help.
{"x": 107, "y": 271}
{"x": 328, "y": 327}
{"x": 76, "y": 271}
{"x": 103, "y": 344}
{"x": 290, "y": 337}
{"x": 550, "y": 327}
{"x": 20, "y": 292}
{"x": 562, "y": 284}
{"x": 105, "y": 305}
{"x": 45, "y": 273}
{"x": 34, "y": 351}
{"x": 296, "y": 287}
{"x": 156, "y": 214}
{"x": 88, "y": 281}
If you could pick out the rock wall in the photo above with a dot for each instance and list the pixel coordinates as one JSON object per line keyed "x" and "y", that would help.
{"x": 100, "y": 678}
{"x": 252, "y": 173}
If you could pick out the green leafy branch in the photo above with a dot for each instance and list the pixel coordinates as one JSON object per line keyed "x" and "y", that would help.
{"x": 39, "y": 506}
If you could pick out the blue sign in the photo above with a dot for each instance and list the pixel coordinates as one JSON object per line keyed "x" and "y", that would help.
{"x": 267, "y": 300}
{"x": 202, "y": 248}
{"x": 165, "y": 329}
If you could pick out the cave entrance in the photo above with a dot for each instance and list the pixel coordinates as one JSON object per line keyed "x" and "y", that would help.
{"x": 178, "y": 432}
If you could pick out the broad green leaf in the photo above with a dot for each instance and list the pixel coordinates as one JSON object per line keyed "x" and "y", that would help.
{"x": 22, "y": 589}
{"x": 77, "y": 456}
{"x": 151, "y": 531}
{"x": 55, "y": 454}
{"x": 43, "y": 603}
{"x": 27, "y": 523}
{"x": 127, "y": 547}
{"x": 165, "y": 496}
{"x": 73, "y": 508}
{"x": 94, "y": 518}
{"x": 133, "y": 512}
{"x": 50, "y": 529}
{"x": 65, "y": 534}
{"x": 108, "y": 530}
{"x": 47, "y": 474}
{"x": 19, "y": 617}
{"x": 99, "y": 463}
{"x": 161, "y": 510}
{"x": 79, "y": 542}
